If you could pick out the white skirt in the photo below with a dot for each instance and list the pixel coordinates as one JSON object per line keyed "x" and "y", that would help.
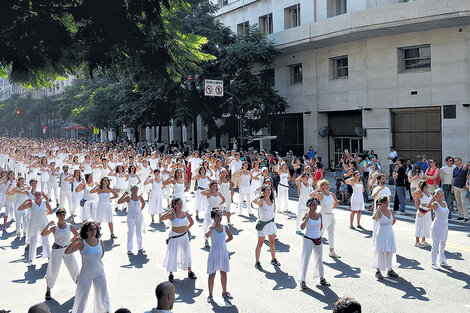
{"x": 104, "y": 212}
{"x": 218, "y": 260}
{"x": 423, "y": 225}
{"x": 269, "y": 229}
{"x": 178, "y": 253}
{"x": 384, "y": 260}
{"x": 357, "y": 202}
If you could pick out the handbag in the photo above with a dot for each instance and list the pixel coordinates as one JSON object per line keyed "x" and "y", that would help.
{"x": 260, "y": 225}
{"x": 316, "y": 241}
{"x": 82, "y": 202}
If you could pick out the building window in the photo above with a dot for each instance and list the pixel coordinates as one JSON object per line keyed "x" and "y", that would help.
{"x": 296, "y": 74}
{"x": 266, "y": 24}
{"x": 413, "y": 59}
{"x": 221, "y": 3}
{"x": 337, "y": 7}
{"x": 450, "y": 111}
{"x": 243, "y": 28}
{"x": 292, "y": 16}
{"x": 267, "y": 77}
{"x": 339, "y": 67}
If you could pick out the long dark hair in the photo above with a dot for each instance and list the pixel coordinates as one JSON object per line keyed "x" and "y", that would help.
{"x": 101, "y": 182}
{"x": 271, "y": 196}
{"x": 84, "y": 230}
{"x": 416, "y": 169}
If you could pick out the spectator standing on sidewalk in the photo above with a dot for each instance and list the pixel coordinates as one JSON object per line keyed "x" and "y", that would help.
{"x": 400, "y": 178}
{"x": 392, "y": 159}
{"x": 458, "y": 188}
{"x": 432, "y": 175}
{"x": 446, "y": 174}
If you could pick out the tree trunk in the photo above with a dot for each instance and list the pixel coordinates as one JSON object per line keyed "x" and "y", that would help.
{"x": 218, "y": 135}
{"x": 136, "y": 134}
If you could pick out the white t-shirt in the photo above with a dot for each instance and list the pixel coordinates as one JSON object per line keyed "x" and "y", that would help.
{"x": 384, "y": 192}
{"x": 195, "y": 164}
{"x": 392, "y": 155}
{"x": 236, "y": 165}
{"x": 446, "y": 174}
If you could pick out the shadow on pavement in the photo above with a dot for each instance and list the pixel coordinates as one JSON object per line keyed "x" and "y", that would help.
{"x": 228, "y": 306}
{"x": 186, "y": 290}
{"x": 234, "y": 230}
{"x": 329, "y": 297}
{"x": 55, "y": 306}
{"x": 454, "y": 256}
{"x": 136, "y": 261}
{"x": 109, "y": 244}
{"x": 280, "y": 247}
{"x": 250, "y": 218}
{"x": 457, "y": 275}
{"x": 410, "y": 264}
{"x": 32, "y": 275}
{"x": 411, "y": 292}
{"x": 283, "y": 280}
{"x": 346, "y": 270}
{"x": 161, "y": 227}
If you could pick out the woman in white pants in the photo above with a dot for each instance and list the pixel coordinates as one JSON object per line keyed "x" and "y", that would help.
{"x": 65, "y": 188}
{"x": 283, "y": 188}
{"x": 39, "y": 209}
{"x": 384, "y": 241}
{"x": 10, "y": 199}
{"x": 62, "y": 232}
{"x": 244, "y": 191}
{"x": 77, "y": 195}
{"x": 89, "y": 200}
{"x": 439, "y": 228}
{"x": 135, "y": 219}
{"x": 92, "y": 250}
{"x": 52, "y": 186}
{"x": 312, "y": 223}
{"x": 21, "y": 217}
{"x": 44, "y": 175}
{"x": 304, "y": 189}
{"x": 328, "y": 202}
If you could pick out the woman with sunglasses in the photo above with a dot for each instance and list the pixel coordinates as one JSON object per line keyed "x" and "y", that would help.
{"x": 384, "y": 241}
{"x": 92, "y": 250}
{"x": 62, "y": 232}
{"x": 218, "y": 259}
{"x": 432, "y": 175}
{"x": 439, "y": 228}
{"x": 313, "y": 225}
{"x": 39, "y": 209}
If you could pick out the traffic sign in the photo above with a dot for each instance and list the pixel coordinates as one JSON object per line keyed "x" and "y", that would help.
{"x": 213, "y": 88}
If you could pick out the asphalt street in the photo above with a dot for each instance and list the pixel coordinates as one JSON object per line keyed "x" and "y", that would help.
{"x": 132, "y": 279}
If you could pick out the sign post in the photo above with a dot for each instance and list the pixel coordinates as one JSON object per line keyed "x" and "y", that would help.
{"x": 213, "y": 88}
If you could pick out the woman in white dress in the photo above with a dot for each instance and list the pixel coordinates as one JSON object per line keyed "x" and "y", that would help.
{"x": 202, "y": 184}
{"x": 328, "y": 203}
{"x": 39, "y": 209}
{"x": 178, "y": 253}
{"x": 87, "y": 165}
{"x": 226, "y": 186}
{"x": 89, "y": 202}
{"x": 44, "y": 175}
{"x": 304, "y": 189}
{"x": 180, "y": 186}
{"x": 439, "y": 228}
{"x": 167, "y": 188}
{"x": 283, "y": 188}
{"x": 62, "y": 232}
{"x": 266, "y": 225}
{"x": 357, "y": 199}
{"x": 214, "y": 200}
{"x": 312, "y": 223}
{"x": 104, "y": 210}
{"x": 384, "y": 240}
{"x": 10, "y": 198}
{"x": 132, "y": 178}
{"x": 144, "y": 172}
{"x": 156, "y": 195}
{"x": 256, "y": 180}
{"x": 135, "y": 219}
{"x": 77, "y": 196}
{"x": 121, "y": 184}
{"x": 218, "y": 259}
{"x": 244, "y": 191}
{"x": 423, "y": 220}
{"x": 21, "y": 217}
{"x": 3, "y": 195}
{"x": 92, "y": 272}
{"x": 97, "y": 169}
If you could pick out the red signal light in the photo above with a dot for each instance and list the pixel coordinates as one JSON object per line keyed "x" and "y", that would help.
{"x": 18, "y": 112}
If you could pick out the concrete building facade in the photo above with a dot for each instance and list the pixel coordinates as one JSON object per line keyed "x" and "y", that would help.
{"x": 367, "y": 74}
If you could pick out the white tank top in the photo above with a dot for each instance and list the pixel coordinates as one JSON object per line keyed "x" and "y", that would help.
{"x": 179, "y": 222}
{"x": 213, "y": 202}
{"x": 133, "y": 208}
{"x": 179, "y": 189}
{"x": 266, "y": 212}
{"x": 104, "y": 197}
{"x": 284, "y": 179}
{"x": 424, "y": 200}
{"x": 218, "y": 239}
{"x": 224, "y": 188}
{"x": 87, "y": 195}
{"x": 157, "y": 187}
{"x": 20, "y": 198}
{"x": 62, "y": 236}
{"x": 327, "y": 203}
{"x": 76, "y": 184}
{"x": 132, "y": 181}
{"x": 203, "y": 183}
{"x": 313, "y": 228}
{"x": 91, "y": 257}
{"x": 305, "y": 191}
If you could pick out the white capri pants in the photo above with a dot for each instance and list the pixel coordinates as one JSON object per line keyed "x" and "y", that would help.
{"x": 89, "y": 210}
{"x": 21, "y": 220}
{"x": 10, "y": 209}
{"x": 55, "y": 261}
{"x": 53, "y": 186}
{"x": 65, "y": 195}
{"x": 282, "y": 198}
{"x": 33, "y": 244}
{"x": 329, "y": 224}
{"x": 241, "y": 197}
{"x": 76, "y": 197}
{"x": 134, "y": 224}
{"x": 100, "y": 292}
{"x": 438, "y": 247}
{"x": 307, "y": 248}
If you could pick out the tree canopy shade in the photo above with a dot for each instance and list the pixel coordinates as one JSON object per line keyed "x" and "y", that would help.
{"x": 41, "y": 40}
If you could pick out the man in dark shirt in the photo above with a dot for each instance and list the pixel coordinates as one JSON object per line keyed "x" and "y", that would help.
{"x": 400, "y": 179}
{"x": 458, "y": 188}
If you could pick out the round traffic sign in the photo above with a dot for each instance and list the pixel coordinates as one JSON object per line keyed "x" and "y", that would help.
{"x": 218, "y": 90}
{"x": 208, "y": 90}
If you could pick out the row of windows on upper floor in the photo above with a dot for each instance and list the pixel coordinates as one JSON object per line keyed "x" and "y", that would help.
{"x": 292, "y": 15}
{"x": 410, "y": 59}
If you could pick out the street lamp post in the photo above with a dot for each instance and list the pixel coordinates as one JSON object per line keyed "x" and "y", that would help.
{"x": 240, "y": 118}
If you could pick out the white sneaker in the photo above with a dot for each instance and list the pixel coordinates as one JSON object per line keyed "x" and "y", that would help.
{"x": 445, "y": 265}
{"x": 334, "y": 255}
{"x": 434, "y": 267}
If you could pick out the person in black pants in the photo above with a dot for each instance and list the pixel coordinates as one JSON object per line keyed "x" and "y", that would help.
{"x": 400, "y": 180}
